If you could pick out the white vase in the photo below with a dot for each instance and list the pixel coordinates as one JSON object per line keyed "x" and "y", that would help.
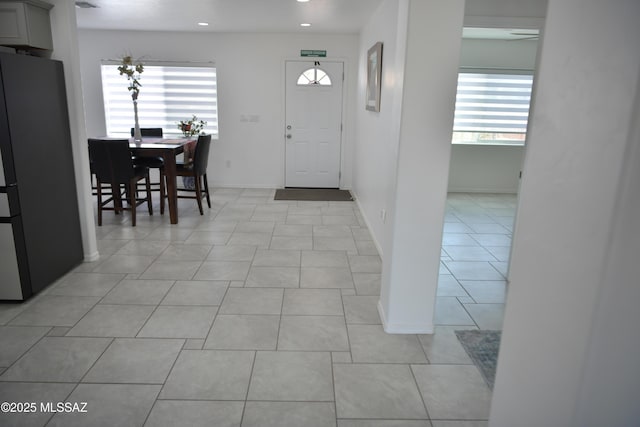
{"x": 137, "y": 135}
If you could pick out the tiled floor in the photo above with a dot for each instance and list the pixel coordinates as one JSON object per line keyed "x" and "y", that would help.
{"x": 258, "y": 313}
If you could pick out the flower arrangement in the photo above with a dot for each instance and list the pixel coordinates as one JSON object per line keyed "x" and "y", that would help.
{"x": 132, "y": 69}
{"x": 192, "y": 126}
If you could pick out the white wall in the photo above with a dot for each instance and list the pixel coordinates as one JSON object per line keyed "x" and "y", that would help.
{"x": 250, "y": 69}
{"x": 376, "y": 147}
{"x": 570, "y": 344}
{"x": 490, "y": 169}
{"x": 485, "y": 169}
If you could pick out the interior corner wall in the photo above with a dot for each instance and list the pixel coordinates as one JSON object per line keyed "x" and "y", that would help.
{"x": 377, "y": 134}
{"x": 562, "y": 357}
{"x": 250, "y": 73}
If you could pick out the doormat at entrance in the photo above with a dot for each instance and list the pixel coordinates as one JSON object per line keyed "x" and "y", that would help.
{"x": 482, "y": 347}
{"x": 313, "y": 194}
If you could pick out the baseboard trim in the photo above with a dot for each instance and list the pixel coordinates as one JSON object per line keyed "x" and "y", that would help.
{"x": 368, "y": 224}
{"x": 94, "y": 256}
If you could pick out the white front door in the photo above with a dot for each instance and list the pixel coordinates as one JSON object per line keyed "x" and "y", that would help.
{"x": 313, "y": 123}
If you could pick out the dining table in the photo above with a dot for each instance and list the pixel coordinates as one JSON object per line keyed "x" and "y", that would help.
{"x": 168, "y": 149}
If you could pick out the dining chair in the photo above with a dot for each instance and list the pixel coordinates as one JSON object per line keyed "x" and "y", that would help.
{"x": 113, "y": 167}
{"x": 196, "y": 168}
{"x": 151, "y": 162}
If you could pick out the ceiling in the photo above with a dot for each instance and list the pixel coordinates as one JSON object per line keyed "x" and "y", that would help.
{"x": 325, "y": 16}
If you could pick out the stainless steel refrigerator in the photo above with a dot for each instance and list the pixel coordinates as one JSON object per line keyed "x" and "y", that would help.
{"x": 40, "y": 237}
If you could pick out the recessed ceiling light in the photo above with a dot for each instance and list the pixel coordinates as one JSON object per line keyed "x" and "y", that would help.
{"x": 305, "y": 24}
{"x": 203, "y": 24}
{"x": 302, "y": 1}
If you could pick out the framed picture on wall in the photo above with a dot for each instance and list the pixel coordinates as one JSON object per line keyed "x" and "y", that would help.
{"x": 374, "y": 76}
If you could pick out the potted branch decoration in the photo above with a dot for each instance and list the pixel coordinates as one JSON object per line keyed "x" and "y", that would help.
{"x": 133, "y": 69}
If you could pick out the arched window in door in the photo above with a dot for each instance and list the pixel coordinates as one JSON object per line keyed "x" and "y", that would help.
{"x": 314, "y": 76}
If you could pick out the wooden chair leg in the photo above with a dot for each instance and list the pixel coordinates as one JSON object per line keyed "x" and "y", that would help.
{"x": 199, "y": 194}
{"x": 147, "y": 181}
{"x": 163, "y": 191}
{"x": 206, "y": 189}
{"x": 132, "y": 201}
{"x": 99, "y": 194}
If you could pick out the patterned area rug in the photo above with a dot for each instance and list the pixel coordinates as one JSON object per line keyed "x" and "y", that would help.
{"x": 482, "y": 347}
{"x": 314, "y": 194}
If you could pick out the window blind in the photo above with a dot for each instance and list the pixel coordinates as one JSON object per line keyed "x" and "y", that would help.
{"x": 492, "y": 103}
{"x": 168, "y": 94}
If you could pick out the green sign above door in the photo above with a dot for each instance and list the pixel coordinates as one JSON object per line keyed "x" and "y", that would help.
{"x": 314, "y": 53}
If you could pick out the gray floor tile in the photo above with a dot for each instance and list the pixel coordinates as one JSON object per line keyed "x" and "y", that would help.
{"x": 134, "y": 360}
{"x": 313, "y": 333}
{"x": 323, "y": 302}
{"x": 292, "y": 243}
{"x": 468, "y": 253}
{"x": 143, "y": 247}
{"x": 377, "y": 391}
{"x": 208, "y": 238}
{"x": 486, "y": 316}
{"x": 252, "y": 301}
{"x": 384, "y": 423}
{"x": 57, "y": 359}
{"x": 232, "y": 253}
{"x": 291, "y": 376}
{"x": 174, "y": 270}
{"x": 361, "y": 309}
{"x": 367, "y": 283}
{"x": 492, "y": 239}
{"x": 365, "y": 263}
{"x": 255, "y": 239}
{"x": 55, "y": 311}
{"x": 196, "y": 293}
{"x": 112, "y": 321}
{"x": 179, "y": 322}
{"x": 85, "y": 284}
{"x": 16, "y": 340}
{"x": 335, "y": 244}
{"x": 109, "y": 405}
{"x": 325, "y": 259}
{"x": 448, "y": 423}
{"x": 371, "y": 344}
{"x": 326, "y": 277}
{"x": 244, "y": 332}
{"x": 486, "y": 291}
{"x": 38, "y": 393}
{"x": 304, "y": 219}
{"x": 141, "y": 292}
{"x": 209, "y": 375}
{"x": 255, "y": 227}
{"x": 331, "y": 230}
{"x": 292, "y": 230}
{"x": 223, "y": 270}
{"x": 443, "y": 347}
{"x": 183, "y": 252}
{"x": 449, "y": 311}
{"x": 125, "y": 264}
{"x": 473, "y": 270}
{"x": 276, "y": 258}
{"x": 366, "y": 247}
{"x": 289, "y": 414}
{"x": 461, "y": 239}
{"x": 455, "y": 392}
{"x": 448, "y": 286}
{"x": 278, "y": 277}
{"x": 171, "y": 413}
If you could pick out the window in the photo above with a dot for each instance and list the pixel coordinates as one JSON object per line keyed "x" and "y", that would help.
{"x": 168, "y": 94}
{"x": 314, "y": 76}
{"x": 492, "y": 108}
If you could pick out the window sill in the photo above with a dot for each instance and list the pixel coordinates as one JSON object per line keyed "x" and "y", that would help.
{"x": 488, "y": 144}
